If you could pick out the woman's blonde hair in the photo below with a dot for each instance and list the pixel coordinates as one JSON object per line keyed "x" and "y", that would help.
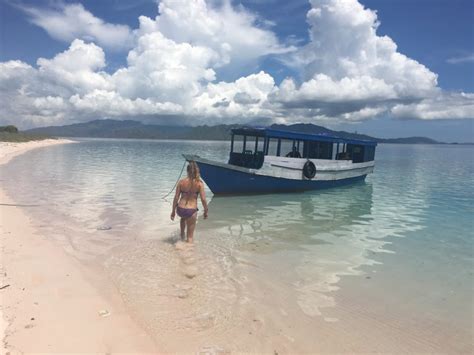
{"x": 193, "y": 171}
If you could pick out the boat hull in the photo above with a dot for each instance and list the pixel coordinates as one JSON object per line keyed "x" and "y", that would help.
{"x": 231, "y": 181}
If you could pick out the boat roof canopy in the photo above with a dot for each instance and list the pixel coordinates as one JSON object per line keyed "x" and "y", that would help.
{"x": 274, "y": 133}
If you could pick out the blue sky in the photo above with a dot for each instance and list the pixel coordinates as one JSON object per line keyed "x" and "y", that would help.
{"x": 282, "y": 78}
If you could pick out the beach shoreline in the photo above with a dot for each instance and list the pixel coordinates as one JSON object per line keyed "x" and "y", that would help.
{"x": 48, "y": 303}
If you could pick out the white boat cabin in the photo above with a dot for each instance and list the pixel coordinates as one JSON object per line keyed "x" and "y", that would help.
{"x": 287, "y": 154}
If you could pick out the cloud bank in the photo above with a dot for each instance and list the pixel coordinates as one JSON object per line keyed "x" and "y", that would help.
{"x": 348, "y": 72}
{"x": 69, "y": 22}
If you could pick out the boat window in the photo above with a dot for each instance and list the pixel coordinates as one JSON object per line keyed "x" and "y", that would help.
{"x": 250, "y": 145}
{"x": 299, "y": 145}
{"x": 253, "y": 145}
{"x": 272, "y": 146}
{"x": 318, "y": 150}
{"x": 355, "y": 153}
{"x": 343, "y": 154}
{"x": 238, "y": 144}
{"x": 335, "y": 148}
{"x": 286, "y": 147}
{"x": 261, "y": 145}
{"x": 369, "y": 153}
{"x": 247, "y": 152}
{"x": 361, "y": 153}
{"x": 289, "y": 148}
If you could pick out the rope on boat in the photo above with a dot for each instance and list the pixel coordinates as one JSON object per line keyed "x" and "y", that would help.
{"x": 176, "y": 183}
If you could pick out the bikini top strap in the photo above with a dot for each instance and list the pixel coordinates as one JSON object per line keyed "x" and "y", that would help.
{"x": 191, "y": 192}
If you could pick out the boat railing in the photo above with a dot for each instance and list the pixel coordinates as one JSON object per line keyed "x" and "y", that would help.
{"x": 247, "y": 159}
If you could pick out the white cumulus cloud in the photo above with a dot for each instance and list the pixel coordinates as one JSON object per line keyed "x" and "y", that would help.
{"x": 232, "y": 33}
{"x": 442, "y": 106}
{"x": 347, "y": 67}
{"x": 162, "y": 69}
{"x": 113, "y": 104}
{"x": 76, "y": 70}
{"x": 67, "y": 22}
{"x": 244, "y": 99}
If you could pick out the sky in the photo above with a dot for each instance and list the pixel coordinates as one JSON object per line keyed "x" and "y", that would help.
{"x": 389, "y": 68}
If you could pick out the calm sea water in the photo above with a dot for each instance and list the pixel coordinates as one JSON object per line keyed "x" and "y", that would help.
{"x": 399, "y": 246}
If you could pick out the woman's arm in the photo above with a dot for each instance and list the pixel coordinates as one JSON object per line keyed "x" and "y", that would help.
{"x": 202, "y": 193}
{"x": 175, "y": 201}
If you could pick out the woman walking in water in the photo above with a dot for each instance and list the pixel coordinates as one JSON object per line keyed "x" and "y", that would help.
{"x": 185, "y": 201}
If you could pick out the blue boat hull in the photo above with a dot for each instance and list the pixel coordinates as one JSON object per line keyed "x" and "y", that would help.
{"x": 227, "y": 181}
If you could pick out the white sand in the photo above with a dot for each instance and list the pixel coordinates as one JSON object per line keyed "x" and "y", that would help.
{"x": 9, "y": 150}
{"x": 50, "y": 305}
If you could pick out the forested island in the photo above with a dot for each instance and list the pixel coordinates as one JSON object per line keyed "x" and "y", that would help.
{"x": 108, "y": 128}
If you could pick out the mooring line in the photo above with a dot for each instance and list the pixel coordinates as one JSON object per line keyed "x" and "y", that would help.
{"x": 176, "y": 183}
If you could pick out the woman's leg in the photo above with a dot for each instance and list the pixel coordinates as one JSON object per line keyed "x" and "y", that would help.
{"x": 182, "y": 225}
{"x": 191, "y": 224}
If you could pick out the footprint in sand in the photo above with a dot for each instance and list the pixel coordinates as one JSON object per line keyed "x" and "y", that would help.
{"x": 190, "y": 271}
{"x": 212, "y": 350}
{"x": 186, "y": 253}
{"x": 180, "y": 245}
{"x": 182, "y": 294}
{"x": 189, "y": 260}
{"x": 183, "y": 290}
{"x": 258, "y": 324}
{"x": 203, "y": 321}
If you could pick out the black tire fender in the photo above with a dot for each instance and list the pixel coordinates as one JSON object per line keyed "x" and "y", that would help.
{"x": 309, "y": 170}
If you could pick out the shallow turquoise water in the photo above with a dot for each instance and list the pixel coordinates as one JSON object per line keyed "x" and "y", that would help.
{"x": 402, "y": 240}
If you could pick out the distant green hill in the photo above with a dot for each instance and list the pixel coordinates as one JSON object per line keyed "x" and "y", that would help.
{"x": 134, "y": 129}
{"x": 11, "y": 134}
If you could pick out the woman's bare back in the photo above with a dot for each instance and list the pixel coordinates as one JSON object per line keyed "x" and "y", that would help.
{"x": 189, "y": 193}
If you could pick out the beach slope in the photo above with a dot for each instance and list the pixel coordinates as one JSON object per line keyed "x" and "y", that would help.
{"x": 48, "y": 302}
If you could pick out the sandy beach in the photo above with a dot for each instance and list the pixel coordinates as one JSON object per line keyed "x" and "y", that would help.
{"x": 48, "y": 302}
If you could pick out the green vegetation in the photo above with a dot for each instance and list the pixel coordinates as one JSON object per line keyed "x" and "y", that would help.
{"x": 9, "y": 129}
{"x": 108, "y": 128}
{"x": 11, "y": 134}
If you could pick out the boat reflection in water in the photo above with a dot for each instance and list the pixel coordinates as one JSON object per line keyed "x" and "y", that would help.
{"x": 309, "y": 239}
{"x": 297, "y": 219}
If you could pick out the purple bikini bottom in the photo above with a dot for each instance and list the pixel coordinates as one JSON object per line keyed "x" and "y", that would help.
{"x": 185, "y": 212}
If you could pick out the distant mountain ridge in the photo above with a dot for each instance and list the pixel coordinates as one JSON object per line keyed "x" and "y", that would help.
{"x": 108, "y": 128}
{"x": 311, "y": 128}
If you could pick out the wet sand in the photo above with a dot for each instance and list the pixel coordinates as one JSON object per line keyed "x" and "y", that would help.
{"x": 246, "y": 309}
{"x": 48, "y": 300}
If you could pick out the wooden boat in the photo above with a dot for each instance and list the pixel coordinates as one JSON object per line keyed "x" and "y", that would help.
{"x": 271, "y": 161}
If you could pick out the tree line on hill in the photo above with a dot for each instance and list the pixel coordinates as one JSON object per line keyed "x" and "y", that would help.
{"x": 108, "y": 128}
{"x": 9, "y": 129}
{"x": 11, "y": 133}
